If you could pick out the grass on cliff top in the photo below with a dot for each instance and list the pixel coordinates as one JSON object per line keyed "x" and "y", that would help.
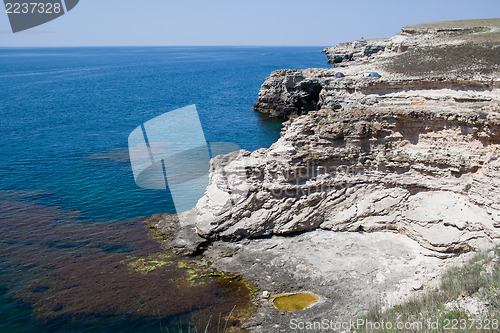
{"x": 484, "y": 31}
{"x": 466, "y": 59}
{"x": 493, "y": 22}
{"x": 478, "y": 50}
{"x": 472, "y": 279}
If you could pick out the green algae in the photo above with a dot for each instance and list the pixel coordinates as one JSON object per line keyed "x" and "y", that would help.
{"x": 199, "y": 275}
{"x": 196, "y": 276}
{"x": 294, "y": 302}
{"x": 193, "y": 275}
{"x": 252, "y": 289}
{"x": 147, "y": 265}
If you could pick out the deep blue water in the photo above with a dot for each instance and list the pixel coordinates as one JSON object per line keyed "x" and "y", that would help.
{"x": 66, "y": 113}
{"x": 60, "y": 106}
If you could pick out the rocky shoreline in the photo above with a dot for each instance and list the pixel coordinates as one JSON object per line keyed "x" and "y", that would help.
{"x": 375, "y": 187}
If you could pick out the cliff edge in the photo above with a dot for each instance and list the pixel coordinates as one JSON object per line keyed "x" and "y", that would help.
{"x": 376, "y": 184}
{"x": 413, "y": 154}
{"x": 461, "y": 59}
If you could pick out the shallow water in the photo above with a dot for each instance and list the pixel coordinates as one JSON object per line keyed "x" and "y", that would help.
{"x": 70, "y": 238}
{"x": 79, "y": 273}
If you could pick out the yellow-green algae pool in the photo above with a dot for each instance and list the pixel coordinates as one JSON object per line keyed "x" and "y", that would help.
{"x": 294, "y": 302}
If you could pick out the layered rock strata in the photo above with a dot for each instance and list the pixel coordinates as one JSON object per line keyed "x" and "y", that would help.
{"x": 376, "y": 185}
{"x": 296, "y": 92}
{"x": 431, "y": 175}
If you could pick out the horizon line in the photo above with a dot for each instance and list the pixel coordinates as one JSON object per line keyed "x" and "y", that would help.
{"x": 97, "y": 46}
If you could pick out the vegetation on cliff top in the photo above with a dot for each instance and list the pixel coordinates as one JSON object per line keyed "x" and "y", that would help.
{"x": 466, "y": 47}
{"x": 485, "y": 31}
{"x": 465, "y": 24}
{"x": 466, "y": 59}
{"x": 474, "y": 285}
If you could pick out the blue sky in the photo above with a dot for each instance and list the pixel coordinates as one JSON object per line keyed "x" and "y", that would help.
{"x": 236, "y": 22}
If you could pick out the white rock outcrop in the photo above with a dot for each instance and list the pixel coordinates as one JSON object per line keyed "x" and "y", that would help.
{"x": 430, "y": 174}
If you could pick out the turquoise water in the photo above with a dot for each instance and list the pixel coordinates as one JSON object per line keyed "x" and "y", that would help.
{"x": 66, "y": 114}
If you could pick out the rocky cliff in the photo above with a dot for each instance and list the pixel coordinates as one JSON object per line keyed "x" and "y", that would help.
{"x": 430, "y": 174}
{"x": 290, "y": 93}
{"x": 460, "y": 61}
{"x": 393, "y": 172}
{"x": 414, "y": 154}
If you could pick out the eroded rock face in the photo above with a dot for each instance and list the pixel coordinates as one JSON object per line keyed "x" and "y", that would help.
{"x": 296, "y": 92}
{"x": 391, "y": 177}
{"x": 289, "y": 93}
{"x": 414, "y": 66}
{"x": 432, "y": 175}
{"x": 410, "y": 36}
{"x": 350, "y": 51}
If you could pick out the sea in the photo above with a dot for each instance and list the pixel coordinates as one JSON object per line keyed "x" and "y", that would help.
{"x": 75, "y": 255}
